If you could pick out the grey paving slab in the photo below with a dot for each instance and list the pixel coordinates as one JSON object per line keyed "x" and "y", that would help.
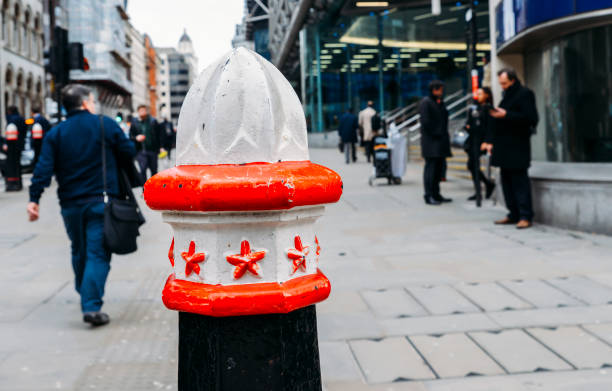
{"x": 552, "y": 317}
{"x": 584, "y": 380}
{"x": 584, "y": 289}
{"x": 442, "y": 324}
{"x": 540, "y": 294}
{"x": 517, "y": 352}
{"x": 492, "y": 297}
{"x": 575, "y": 345}
{"x": 333, "y": 327}
{"x": 393, "y": 303}
{"x": 401, "y": 361}
{"x": 337, "y": 362}
{"x": 603, "y": 331}
{"x": 342, "y": 302}
{"x": 442, "y": 300}
{"x": 455, "y": 355}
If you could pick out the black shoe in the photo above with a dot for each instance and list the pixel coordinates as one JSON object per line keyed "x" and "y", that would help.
{"x": 442, "y": 199}
{"x": 431, "y": 201}
{"x": 96, "y": 318}
{"x": 472, "y": 198}
{"x": 490, "y": 189}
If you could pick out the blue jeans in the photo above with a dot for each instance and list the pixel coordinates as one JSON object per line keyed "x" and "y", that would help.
{"x": 90, "y": 259}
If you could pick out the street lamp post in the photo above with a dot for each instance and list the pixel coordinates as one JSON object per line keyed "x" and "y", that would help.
{"x": 242, "y": 203}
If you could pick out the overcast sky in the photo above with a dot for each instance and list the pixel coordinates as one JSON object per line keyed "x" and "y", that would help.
{"x": 209, "y": 23}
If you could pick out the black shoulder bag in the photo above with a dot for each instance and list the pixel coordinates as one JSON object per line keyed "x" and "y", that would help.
{"x": 122, "y": 216}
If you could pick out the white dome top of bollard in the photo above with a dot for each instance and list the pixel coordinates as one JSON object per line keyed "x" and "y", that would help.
{"x": 241, "y": 109}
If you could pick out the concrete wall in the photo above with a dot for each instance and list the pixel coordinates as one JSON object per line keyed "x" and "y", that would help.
{"x": 573, "y": 195}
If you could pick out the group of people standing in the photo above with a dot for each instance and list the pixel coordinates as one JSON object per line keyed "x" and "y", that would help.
{"x": 368, "y": 124}
{"x": 14, "y": 142}
{"x": 503, "y": 132}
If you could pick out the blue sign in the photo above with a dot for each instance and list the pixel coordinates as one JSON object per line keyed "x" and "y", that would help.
{"x": 514, "y": 16}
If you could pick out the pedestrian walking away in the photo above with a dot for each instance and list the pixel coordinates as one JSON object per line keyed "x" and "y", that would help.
{"x": 435, "y": 142}
{"x": 71, "y": 151}
{"x": 510, "y": 145}
{"x": 347, "y": 130}
{"x": 13, "y": 144}
{"x": 477, "y": 126}
{"x": 365, "y": 126}
{"x": 149, "y": 138}
{"x": 40, "y": 127}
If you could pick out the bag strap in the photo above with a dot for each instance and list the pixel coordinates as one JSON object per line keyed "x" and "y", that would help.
{"x": 103, "y": 142}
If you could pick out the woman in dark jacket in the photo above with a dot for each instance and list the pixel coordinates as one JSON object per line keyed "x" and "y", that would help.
{"x": 478, "y": 126}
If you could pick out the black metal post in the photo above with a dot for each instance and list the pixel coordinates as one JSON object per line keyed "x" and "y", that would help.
{"x": 256, "y": 352}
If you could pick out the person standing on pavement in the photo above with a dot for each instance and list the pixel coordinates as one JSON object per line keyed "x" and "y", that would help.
{"x": 13, "y": 144}
{"x": 169, "y": 135}
{"x": 510, "y": 146}
{"x": 72, "y": 151}
{"x": 477, "y": 126}
{"x": 149, "y": 138}
{"x": 435, "y": 141}
{"x": 347, "y": 129}
{"x": 365, "y": 125}
{"x": 40, "y": 127}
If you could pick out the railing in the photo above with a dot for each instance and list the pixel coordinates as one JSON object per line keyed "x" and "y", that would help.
{"x": 457, "y": 100}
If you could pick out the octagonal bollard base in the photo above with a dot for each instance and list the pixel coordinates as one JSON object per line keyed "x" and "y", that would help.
{"x": 245, "y": 299}
{"x": 259, "y": 352}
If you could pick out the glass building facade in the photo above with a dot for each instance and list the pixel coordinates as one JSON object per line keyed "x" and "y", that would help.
{"x": 573, "y": 77}
{"x": 388, "y": 57}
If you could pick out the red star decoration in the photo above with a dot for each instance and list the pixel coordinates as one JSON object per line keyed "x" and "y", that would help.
{"x": 318, "y": 252}
{"x": 171, "y": 253}
{"x": 298, "y": 255}
{"x": 246, "y": 260}
{"x": 192, "y": 258}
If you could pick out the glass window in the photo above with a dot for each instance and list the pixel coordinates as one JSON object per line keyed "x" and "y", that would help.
{"x": 572, "y": 79}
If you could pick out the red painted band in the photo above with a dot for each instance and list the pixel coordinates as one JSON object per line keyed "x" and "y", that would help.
{"x": 247, "y": 299}
{"x": 253, "y": 186}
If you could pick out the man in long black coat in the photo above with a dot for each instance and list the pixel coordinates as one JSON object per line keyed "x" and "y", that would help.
{"x": 347, "y": 129}
{"x": 510, "y": 145}
{"x": 435, "y": 141}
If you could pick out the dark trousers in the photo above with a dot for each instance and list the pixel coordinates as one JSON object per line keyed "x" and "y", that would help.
{"x": 350, "y": 154}
{"x": 432, "y": 176}
{"x": 12, "y": 169}
{"x": 36, "y": 146}
{"x": 472, "y": 168}
{"x": 517, "y": 193}
{"x": 368, "y": 145}
{"x": 90, "y": 259}
{"x": 147, "y": 159}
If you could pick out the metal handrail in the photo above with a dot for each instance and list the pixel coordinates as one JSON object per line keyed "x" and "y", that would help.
{"x": 453, "y": 96}
{"x": 417, "y": 116}
{"x": 401, "y": 112}
{"x": 458, "y": 102}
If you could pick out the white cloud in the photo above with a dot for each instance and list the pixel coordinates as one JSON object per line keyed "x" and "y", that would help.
{"x": 209, "y": 23}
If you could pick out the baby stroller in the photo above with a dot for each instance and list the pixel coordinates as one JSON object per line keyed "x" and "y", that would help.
{"x": 382, "y": 162}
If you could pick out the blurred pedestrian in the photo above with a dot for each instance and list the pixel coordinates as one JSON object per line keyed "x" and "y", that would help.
{"x": 72, "y": 151}
{"x": 40, "y": 127}
{"x": 435, "y": 141}
{"x": 149, "y": 139}
{"x": 169, "y": 135}
{"x": 477, "y": 126}
{"x": 510, "y": 145}
{"x": 13, "y": 145}
{"x": 365, "y": 126}
{"x": 347, "y": 129}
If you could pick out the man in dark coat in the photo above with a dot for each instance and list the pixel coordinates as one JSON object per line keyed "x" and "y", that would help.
{"x": 347, "y": 129}
{"x": 509, "y": 143}
{"x": 149, "y": 138}
{"x": 435, "y": 141}
{"x": 13, "y": 144}
{"x": 72, "y": 151}
{"x": 40, "y": 127}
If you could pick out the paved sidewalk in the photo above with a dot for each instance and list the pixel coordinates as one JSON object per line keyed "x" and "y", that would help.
{"x": 423, "y": 298}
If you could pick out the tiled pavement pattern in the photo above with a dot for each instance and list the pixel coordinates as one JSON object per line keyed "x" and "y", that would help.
{"x": 495, "y": 350}
{"x": 423, "y": 299}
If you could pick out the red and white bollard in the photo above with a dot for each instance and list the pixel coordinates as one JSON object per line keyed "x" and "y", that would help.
{"x": 242, "y": 202}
